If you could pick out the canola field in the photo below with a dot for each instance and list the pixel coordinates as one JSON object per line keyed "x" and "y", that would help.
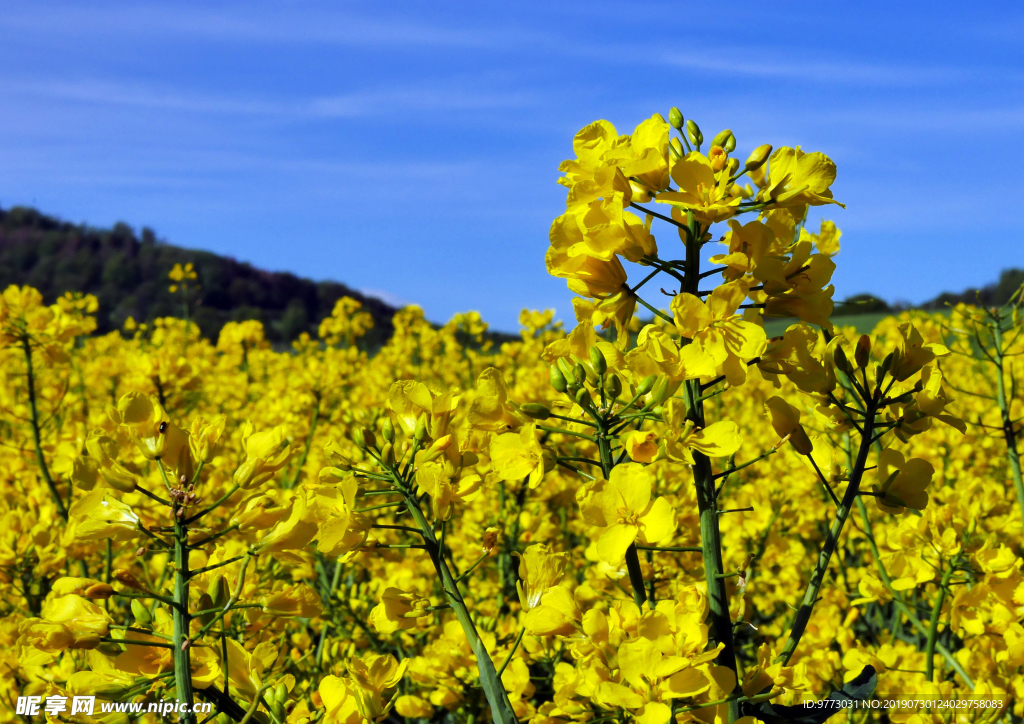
{"x": 682, "y": 519}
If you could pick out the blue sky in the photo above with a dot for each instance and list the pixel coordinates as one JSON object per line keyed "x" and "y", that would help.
{"x": 411, "y": 149}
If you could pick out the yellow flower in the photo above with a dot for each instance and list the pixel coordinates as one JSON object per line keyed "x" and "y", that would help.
{"x": 911, "y": 353}
{"x": 796, "y": 178}
{"x": 786, "y": 422}
{"x": 902, "y": 482}
{"x": 293, "y": 600}
{"x": 518, "y": 455}
{"x": 729, "y": 340}
{"x": 371, "y": 675}
{"x": 719, "y": 439}
{"x": 642, "y": 447}
{"x": 339, "y": 701}
{"x": 67, "y": 622}
{"x": 98, "y": 515}
{"x": 397, "y": 610}
{"x": 622, "y": 506}
{"x": 152, "y": 431}
{"x": 265, "y": 453}
{"x": 701, "y": 190}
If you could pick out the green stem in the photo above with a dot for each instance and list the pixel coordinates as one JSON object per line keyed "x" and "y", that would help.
{"x": 803, "y": 615}
{"x": 1009, "y": 434}
{"x": 36, "y": 436}
{"x": 309, "y": 443}
{"x": 501, "y": 707}
{"x": 180, "y": 614}
{"x": 933, "y": 627}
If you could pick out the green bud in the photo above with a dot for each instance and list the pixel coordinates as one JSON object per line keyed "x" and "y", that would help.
{"x": 369, "y": 439}
{"x": 421, "y": 428}
{"x": 579, "y": 373}
{"x": 597, "y": 359}
{"x": 757, "y": 159}
{"x": 357, "y": 437}
{"x": 566, "y": 367}
{"x": 583, "y": 398}
{"x": 842, "y": 363}
{"x": 387, "y": 454}
{"x": 722, "y": 139}
{"x": 388, "y": 430}
{"x": 660, "y": 393}
{"x": 557, "y": 379}
{"x": 694, "y": 134}
{"x": 143, "y": 618}
{"x": 219, "y": 591}
{"x": 592, "y": 378}
{"x": 206, "y": 604}
{"x": 675, "y": 118}
{"x": 280, "y": 693}
{"x": 862, "y": 353}
{"x": 613, "y": 385}
{"x": 647, "y": 384}
{"x": 535, "y": 410}
{"x": 675, "y": 147}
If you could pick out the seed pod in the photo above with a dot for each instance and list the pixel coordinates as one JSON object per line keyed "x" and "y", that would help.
{"x": 863, "y": 352}
{"x": 143, "y": 618}
{"x": 757, "y": 159}
{"x": 597, "y": 359}
{"x": 613, "y": 385}
{"x": 693, "y": 133}
{"x": 675, "y": 118}
{"x": 535, "y": 410}
{"x": 557, "y": 379}
{"x": 387, "y": 429}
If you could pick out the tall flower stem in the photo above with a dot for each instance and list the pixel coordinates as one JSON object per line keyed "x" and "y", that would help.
{"x": 179, "y": 611}
{"x": 707, "y": 507}
{"x": 1009, "y": 433}
{"x": 497, "y": 698}
{"x": 36, "y": 435}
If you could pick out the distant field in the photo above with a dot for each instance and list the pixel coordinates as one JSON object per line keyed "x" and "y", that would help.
{"x": 865, "y": 323}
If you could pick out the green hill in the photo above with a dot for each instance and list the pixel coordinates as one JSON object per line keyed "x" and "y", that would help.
{"x": 128, "y": 275}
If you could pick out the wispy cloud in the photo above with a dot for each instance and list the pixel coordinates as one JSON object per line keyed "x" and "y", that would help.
{"x": 437, "y": 98}
{"x": 828, "y": 71}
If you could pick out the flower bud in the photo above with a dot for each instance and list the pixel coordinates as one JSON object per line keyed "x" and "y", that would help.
{"x": 579, "y": 373}
{"x": 693, "y": 133}
{"x": 219, "y": 591}
{"x": 675, "y": 148}
{"x": 661, "y": 391}
{"x": 369, "y": 439}
{"x": 205, "y": 603}
{"x": 597, "y": 359}
{"x": 535, "y": 410}
{"x": 675, "y": 118}
{"x": 387, "y": 429}
{"x": 583, "y": 398}
{"x": 647, "y": 384}
{"x": 387, "y": 454}
{"x": 592, "y": 378}
{"x": 842, "y": 363}
{"x": 863, "y": 352}
{"x": 557, "y": 379}
{"x": 613, "y": 386}
{"x": 758, "y": 157}
{"x": 723, "y": 139}
{"x": 420, "y": 434}
{"x": 143, "y": 618}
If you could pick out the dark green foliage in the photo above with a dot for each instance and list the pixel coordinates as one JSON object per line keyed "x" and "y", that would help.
{"x": 991, "y": 295}
{"x": 128, "y": 275}
{"x": 861, "y": 304}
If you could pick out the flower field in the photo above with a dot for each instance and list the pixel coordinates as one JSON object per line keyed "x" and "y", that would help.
{"x": 677, "y": 519}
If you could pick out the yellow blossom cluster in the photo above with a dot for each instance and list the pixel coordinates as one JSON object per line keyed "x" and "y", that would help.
{"x": 679, "y": 520}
